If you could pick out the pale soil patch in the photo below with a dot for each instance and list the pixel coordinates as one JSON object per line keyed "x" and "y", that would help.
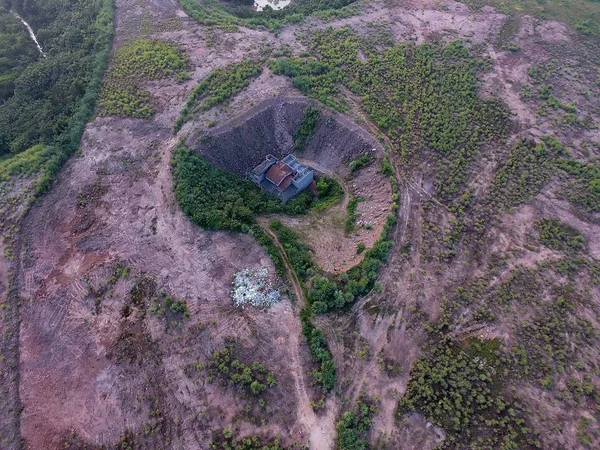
{"x": 324, "y": 231}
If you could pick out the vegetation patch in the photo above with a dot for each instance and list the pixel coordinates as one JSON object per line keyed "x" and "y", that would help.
{"x": 250, "y": 379}
{"x": 218, "y": 86}
{"x": 306, "y": 129}
{"x": 329, "y": 193}
{"x": 352, "y": 215}
{"x": 219, "y": 200}
{"x": 360, "y": 162}
{"x": 232, "y": 14}
{"x": 424, "y": 97}
{"x": 583, "y": 186}
{"x": 124, "y": 99}
{"x": 226, "y": 440}
{"x": 324, "y": 374}
{"x": 559, "y": 235}
{"x": 353, "y": 427}
{"x": 462, "y": 391}
{"x": 144, "y": 59}
{"x": 49, "y": 100}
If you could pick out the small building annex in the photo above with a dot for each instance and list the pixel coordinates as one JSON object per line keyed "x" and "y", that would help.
{"x": 285, "y": 179}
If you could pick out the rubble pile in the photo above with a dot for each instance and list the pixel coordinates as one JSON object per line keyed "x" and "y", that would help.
{"x": 252, "y": 287}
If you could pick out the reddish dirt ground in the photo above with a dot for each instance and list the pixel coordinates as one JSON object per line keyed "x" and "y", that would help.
{"x": 90, "y": 370}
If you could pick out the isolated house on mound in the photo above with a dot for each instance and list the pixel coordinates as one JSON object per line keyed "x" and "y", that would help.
{"x": 285, "y": 179}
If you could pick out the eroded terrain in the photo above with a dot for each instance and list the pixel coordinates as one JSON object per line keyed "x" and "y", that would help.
{"x": 103, "y": 358}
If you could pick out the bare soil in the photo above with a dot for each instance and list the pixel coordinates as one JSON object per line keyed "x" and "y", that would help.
{"x": 89, "y": 372}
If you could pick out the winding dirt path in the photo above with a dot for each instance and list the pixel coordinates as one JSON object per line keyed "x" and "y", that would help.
{"x": 321, "y": 430}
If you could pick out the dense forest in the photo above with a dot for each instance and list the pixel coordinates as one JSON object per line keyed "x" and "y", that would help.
{"x": 42, "y": 98}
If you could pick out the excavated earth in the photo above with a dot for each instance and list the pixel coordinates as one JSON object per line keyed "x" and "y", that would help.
{"x": 239, "y": 145}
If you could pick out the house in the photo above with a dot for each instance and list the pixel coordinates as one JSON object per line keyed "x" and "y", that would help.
{"x": 285, "y": 179}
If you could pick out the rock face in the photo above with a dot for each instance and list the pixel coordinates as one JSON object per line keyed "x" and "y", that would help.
{"x": 242, "y": 143}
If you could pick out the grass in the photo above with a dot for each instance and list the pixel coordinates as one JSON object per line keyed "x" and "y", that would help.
{"x": 218, "y": 86}
{"x": 306, "y": 129}
{"x": 139, "y": 61}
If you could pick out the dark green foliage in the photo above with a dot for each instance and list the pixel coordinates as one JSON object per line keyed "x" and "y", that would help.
{"x": 296, "y": 250}
{"x": 144, "y": 59}
{"x": 225, "y": 440}
{"x": 360, "y": 162}
{"x": 218, "y": 86}
{"x": 306, "y": 128}
{"x": 522, "y": 176}
{"x": 461, "y": 390}
{"x": 215, "y": 199}
{"x": 249, "y": 379}
{"x": 325, "y": 294}
{"x": 559, "y": 235}
{"x": 164, "y": 303}
{"x": 49, "y": 100}
{"x": 353, "y": 427}
{"x": 267, "y": 242}
{"x": 424, "y": 98}
{"x": 352, "y": 216}
{"x": 329, "y": 193}
{"x": 584, "y": 184}
{"x": 324, "y": 374}
{"x": 238, "y": 12}
{"x": 549, "y": 339}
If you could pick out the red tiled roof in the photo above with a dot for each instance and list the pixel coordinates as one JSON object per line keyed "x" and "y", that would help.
{"x": 278, "y": 173}
{"x": 285, "y": 183}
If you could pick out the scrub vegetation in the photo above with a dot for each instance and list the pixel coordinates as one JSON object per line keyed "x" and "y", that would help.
{"x": 461, "y": 390}
{"x": 423, "y": 97}
{"x": 217, "y": 87}
{"x": 143, "y": 60}
{"x": 218, "y": 200}
{"x": 45, "y": 103}
{"x": 239, "y": 13}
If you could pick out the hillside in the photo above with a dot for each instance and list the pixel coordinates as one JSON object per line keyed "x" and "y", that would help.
{"x": 437, "y": 287}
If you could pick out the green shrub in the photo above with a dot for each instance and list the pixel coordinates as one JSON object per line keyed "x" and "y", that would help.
{"x": 461, "y": 391}
{"x": 324, "y": 375}
{"x": 584, "y": 183}
{"x": 218, "y": 86}
{"x": 148, "y": 59}
{"x": 215, "y": 199}
{"x": 306, "y": 128}
{"x": 145, "y": 59}
{"x": 353, "y": 426}
{"x": 248, "y": 378}
{"x": 559, "y": 235}
{"x": 360, "y": 162}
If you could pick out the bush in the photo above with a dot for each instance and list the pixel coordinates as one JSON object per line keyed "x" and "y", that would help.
{"x": 218, "y": 200}
{"x": 559, "y": 235}
{"x": 306, "y": 128}
{"x": 461, "y": 391}
{"x": 218, "y": 86}
{"x": 145, "y": 59}
{"x": 353, "y": 426}
{"x": 324, "y": 375}
{"x": 248, "y": 378}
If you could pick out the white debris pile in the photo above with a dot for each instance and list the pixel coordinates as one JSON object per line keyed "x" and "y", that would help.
{"x": 252, "y": 287}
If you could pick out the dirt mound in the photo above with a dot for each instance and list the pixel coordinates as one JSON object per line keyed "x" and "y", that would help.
{"x": 242, "y": 143}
